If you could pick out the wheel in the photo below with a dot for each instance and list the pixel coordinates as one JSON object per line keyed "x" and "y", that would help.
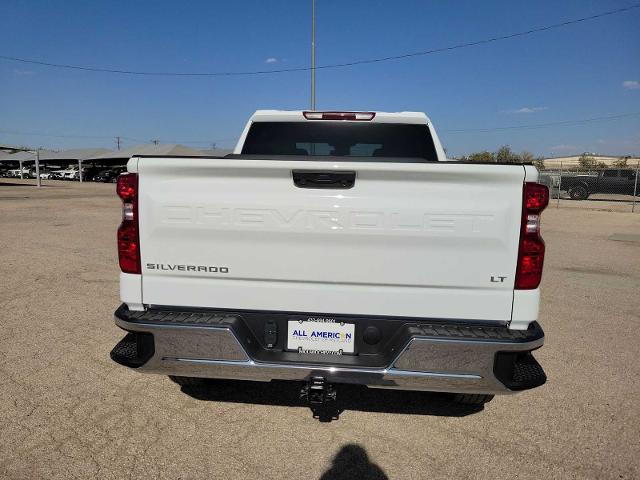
{"x": 472, "y": 398}
{"x": 188, "y": 381}
{"x": 578, "y": 192}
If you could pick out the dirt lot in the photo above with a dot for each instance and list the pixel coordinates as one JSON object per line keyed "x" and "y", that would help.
{"x": 69, "y": 412}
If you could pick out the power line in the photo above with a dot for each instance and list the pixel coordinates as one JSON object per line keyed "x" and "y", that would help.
{"x": 186, "y": 142}
{"x": 542, "y": 125}
{"x": 485, "y": 41}
{"x": 466, "y": 130}
{"x": 327, "y": 66}
{"x": 202, "y": 142}
{"x": 37, "y": 134}
{"x": 118, "y": 138}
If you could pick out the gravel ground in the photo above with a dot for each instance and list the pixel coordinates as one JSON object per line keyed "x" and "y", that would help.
{"x": 69, "y": 412}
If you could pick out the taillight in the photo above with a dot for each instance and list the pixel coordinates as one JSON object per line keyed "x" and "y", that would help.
{"x": 361, "y": 116}
{"x": 128, "y": 234}
{"x": 531, "y": 249}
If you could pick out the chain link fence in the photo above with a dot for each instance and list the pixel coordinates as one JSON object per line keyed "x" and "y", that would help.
{"x": 615, "y": 189}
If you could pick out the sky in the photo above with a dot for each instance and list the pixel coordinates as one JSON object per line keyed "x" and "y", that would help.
{"x": 582, "y": 71}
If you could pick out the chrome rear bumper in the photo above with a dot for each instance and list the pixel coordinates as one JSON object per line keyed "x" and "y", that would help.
{"x": 430, "y": 362}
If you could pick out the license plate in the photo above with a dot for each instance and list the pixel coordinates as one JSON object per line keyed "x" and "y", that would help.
{"x": 331, "y": 338}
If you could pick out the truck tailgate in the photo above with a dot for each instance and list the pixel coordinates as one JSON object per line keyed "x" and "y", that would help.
{"x": 437, "y": 240}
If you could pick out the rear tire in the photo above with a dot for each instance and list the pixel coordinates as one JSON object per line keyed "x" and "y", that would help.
{"x": 188, "y": 381}
{"x": 471, "y": 398}
{"x": 579, "y": 192}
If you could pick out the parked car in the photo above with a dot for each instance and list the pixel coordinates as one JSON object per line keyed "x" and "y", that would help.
{"x": 68, "y": 174}
{"x": 333, "y": 247}
{"x": 15, "y": 173}
{"x": 86, "y": 175}
{"x": 620, "y": 181}
{"x": 45, "y": 174}
{"x": 89, "y": 173}
{"x": 108, "y": 176}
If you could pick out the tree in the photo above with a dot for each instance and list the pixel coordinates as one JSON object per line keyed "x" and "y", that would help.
{"x": 587, "y": 162}
{"x": 506, "y": 155}
{"x": 481, "y": 157}
{"x": 621, "y": 162}
{"x": 539, "y": 163}
{"x": 527, "y": 157}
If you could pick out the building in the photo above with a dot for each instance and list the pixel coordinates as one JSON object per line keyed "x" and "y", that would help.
{"x": 216, "y": 152}
{"x": 50, "y": 158}
{"x": 95, "y": 158}
{"x": 121, "y": 157}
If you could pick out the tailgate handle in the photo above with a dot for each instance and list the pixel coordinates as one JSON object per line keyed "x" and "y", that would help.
{"x": 320, "y": 179}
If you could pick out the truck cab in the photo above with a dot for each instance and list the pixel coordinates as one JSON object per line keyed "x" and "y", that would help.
{"x": 621, "y": 181}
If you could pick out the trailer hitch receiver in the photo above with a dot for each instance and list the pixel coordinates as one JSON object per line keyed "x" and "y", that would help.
{"x": 318, "y": 392}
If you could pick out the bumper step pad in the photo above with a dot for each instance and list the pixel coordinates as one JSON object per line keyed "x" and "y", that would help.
{"x": 528, "y": 373}
{"x": 477, "y": 332}
{"x": 134, "y": 350}
{"x": 213, "y": 319}
{"x": 519, "y": 371}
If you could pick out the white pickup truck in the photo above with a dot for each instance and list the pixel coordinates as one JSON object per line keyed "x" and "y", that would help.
{"x": 333, "y": 247}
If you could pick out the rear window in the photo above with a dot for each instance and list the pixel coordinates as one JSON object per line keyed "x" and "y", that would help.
{"x": 390, "y": 141}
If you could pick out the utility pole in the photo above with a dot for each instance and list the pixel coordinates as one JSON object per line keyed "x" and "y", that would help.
{"x": 38, "y": 182}
{"x": 118, "y": 142}
{"x": 313, "y": 54}
{"x": 635, "y": 187}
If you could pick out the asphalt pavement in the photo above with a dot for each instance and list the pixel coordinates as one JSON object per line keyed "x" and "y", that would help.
{"x": 68, "y": 411}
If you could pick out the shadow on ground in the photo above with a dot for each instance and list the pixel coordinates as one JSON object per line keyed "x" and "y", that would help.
{"x": 352, "y": 462}
{"x": 349, "y": 397}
